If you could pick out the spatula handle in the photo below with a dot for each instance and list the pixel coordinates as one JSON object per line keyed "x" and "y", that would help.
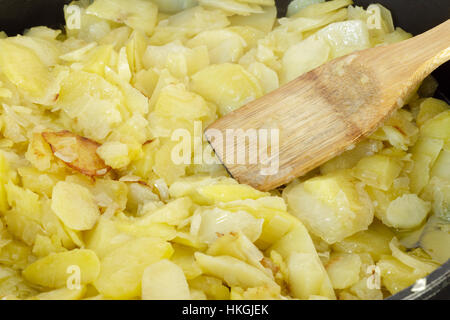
{"x": 424, "y": 53}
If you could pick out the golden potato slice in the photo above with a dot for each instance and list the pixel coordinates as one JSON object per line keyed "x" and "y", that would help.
{"x": 174, "y": 6}
{"x": 23, "y": 68}
{"x": 344, "y": 269}
{"x": 296, "y": 5}
{"x": 441, "y": 168}
{"x": 267, "y": 77}
{"x": 435, "y": 239}
{"x": 14, "y": 254}
{"x": 332, "y": 206}
{"x": 122, "y": 269}
{"x": 138, "y": 14}
{"x": 378, "y": 171}
{"x": 303, "y": 57}
{"x": 307, "y": 276}
{"x": 233, "y": 271}
{"x": 262, "y": 21}
{"x": 39, "y": 154}
{"x": 173, "y": 213}
{"x": 424, "y": 154}
{"x": 37, "y": 181}
{"x": 216, "y": 222}
{"x": 219, "y": 192}
{"x": 345, "y": 37}
{"x": 363, "y": 292}
{"x": 406, "y": 212}
{"x": 321, "y": 8}
{"x": 223, "y": 45}
{"x": 350, "y": 158}
{"x": 259, "y": 2}
{"x": 272, "y": 210}
{"x": 24, "y": 201}
{"x": 232, "y": 6}
{"x": 429, "y": 108}
{"x": 79, "y": 153}
{"x": 214, "y": 84}
{"x": 374, "y": 241}
{"x": 258, "y": 293}
{"x": 211, "y": 287}
{"x": 53, "y": 271}
{"x": 75, "y": 206}
{"x": 183, "y": 256}
{"x": 395, "y": 275}
{"x": 304, "y": 271}
{"x": 115, "y": 154}
{"x": 437, "y": 127}
{"x": 61, "y": 294}
{"x": 164, "y": 280}
{"x": 175, "y": 101}
{"x": 238, "y": 246}
{"x": 178, "y": 59}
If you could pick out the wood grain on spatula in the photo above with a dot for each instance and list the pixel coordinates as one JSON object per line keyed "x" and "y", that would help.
{"x": 327, "y": 110}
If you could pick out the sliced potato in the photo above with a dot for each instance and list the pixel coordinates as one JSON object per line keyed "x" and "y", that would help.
{"x": 262, "y": 21}
{"x": 232, "y": 6}
{"x": 77, "y": 152}
{"x": 23, "y": 68}
{"x": 61, "y": 294}
{"x": 216, "y": 222}
{"x": 378, "y": 171}
{"x": 183, "y": 257}
{"x": 345, "y": 37}
{"x": 424, "y": 155}
{"x": 429, "y": 108}
{"x": 38, "y": 181}
{"x": 406, "y": 212}
{"x": 212, "y": 83}
{"x": 307, "y": 276}
{"x": 437, "y": 127}
{"x": 344, "y": 270}
{"x": 54, "y": 270}
{"x": 75, "y": 206}
{"x": 223, "y": 45}
{"x": 321, "y": 8}
{"x": 233, "y": 271}
{"x": 332, "y": 206}
{"x": 374, "y": 241}
{"x": 297, "y": 5}
{"x": 114, "y": 154}
{"x": 164, "y": 280}
{"x": 122, "y": 269}
{"x": 303, "y": 57}
{"x": 217, "y": 193}
{"x": 395, "y": 275}
{"x": 213, "y": 288}
{"x": 435, "y": 239}
{"x": 304, "y": 271}
{"x": 138, "y": 14}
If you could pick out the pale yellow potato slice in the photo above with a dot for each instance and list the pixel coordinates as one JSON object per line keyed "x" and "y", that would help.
{"x": 164, "y": 280}
{"x": 61, "y": 294}
{"x": 122, "y": 269}
{"x": 233, "y": 271}
{"x": 75, "y": 206}
{"x": 57, "y": 269}
{"x": 138, "y": 14}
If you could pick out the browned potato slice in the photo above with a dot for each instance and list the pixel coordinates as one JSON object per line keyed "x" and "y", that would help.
{"x": 79, "y": 153}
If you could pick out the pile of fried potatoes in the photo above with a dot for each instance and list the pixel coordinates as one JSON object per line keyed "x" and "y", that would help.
{"x": 92, "y": 205}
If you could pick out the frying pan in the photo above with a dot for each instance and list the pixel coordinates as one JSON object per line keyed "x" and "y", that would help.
{"x": 415, "y": 16}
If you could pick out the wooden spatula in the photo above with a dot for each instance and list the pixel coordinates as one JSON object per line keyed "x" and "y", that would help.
{"x": 326, "y": 111}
